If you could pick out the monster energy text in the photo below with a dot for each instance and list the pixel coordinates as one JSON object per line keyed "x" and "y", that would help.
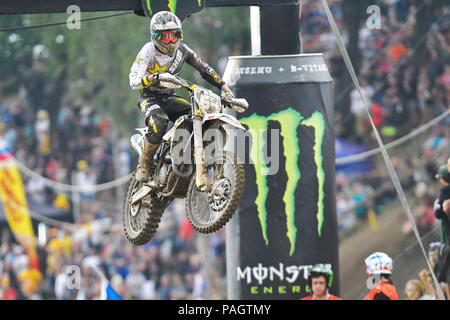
{"x": 264, "y": 276}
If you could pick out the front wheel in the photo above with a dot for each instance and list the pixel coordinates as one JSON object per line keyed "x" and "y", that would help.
{"x": 210, "y": 211}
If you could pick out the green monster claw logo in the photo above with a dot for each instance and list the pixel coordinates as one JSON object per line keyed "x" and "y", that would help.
{"x": 289, "y": 120}
{"x": 172, "y": 5}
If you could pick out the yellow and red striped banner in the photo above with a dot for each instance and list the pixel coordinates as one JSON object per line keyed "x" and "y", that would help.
{"x": 15, "y": 204}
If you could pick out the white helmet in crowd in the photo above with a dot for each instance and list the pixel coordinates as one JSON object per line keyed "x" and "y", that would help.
{"x": 378, "y": 263}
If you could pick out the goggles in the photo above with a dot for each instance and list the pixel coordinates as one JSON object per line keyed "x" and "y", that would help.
{"x": 167, "y": 37}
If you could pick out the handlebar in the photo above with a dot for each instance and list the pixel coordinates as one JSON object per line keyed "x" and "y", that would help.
{"x": 175, "y": 82}
{"x": 238, "y": 104}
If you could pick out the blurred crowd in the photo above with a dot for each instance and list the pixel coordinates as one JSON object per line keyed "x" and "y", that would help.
{"x": 403, "y": 91}
{"x": 422, "y": 287}
{"x": 359, "y": 195}
{"x": 168, "y": 267}
{"x": 81, "y": 150}
{"x": 403, "y": 95}
{"x": 84, "y": 150}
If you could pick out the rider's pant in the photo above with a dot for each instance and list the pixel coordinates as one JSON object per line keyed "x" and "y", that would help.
{"x": 158, "y": 110}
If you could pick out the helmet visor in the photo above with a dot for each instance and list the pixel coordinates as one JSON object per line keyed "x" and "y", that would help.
{"x": 167, "y": 37}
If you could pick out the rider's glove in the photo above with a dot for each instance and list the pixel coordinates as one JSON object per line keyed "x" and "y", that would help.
{"x": 228, "y": 94}
{"x": 147, "y": 82}
{"x": 157, "y": 77}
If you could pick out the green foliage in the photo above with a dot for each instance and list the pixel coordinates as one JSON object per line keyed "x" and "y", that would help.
{"x": 16, "y": 51}
{"x": 101, "y": 53}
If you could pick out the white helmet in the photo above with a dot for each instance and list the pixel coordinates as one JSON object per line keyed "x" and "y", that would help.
{"x": 166, "y": 22}
{"x": 378, "y": 263}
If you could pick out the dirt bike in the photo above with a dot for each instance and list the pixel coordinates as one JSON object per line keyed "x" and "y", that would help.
{"x": 211, "y": 182}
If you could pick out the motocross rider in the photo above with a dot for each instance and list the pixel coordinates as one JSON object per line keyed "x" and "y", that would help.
{"x": 164, "y": 53}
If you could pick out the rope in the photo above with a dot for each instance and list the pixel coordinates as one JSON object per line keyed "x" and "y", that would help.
{"x": 72, "y": 188}
{"x": 122, "y": 180}
{"x": 365, "y": 154}
{"x": 386, "y": 158}
{"x": 50, "y": 221}
{"x": 42, "y": 218}
{"x": 62, "y": 22}
{"x": 385, "y": 187}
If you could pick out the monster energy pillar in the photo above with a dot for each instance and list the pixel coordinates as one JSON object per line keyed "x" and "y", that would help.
{"x": 286, "y": 220}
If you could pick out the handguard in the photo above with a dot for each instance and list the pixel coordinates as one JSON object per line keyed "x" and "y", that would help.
{"x": 238, "y": 104}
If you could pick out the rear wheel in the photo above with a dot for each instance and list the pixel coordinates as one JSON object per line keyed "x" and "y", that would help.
{"x": 141, "y": 220}
{"x": 210, "y": 211}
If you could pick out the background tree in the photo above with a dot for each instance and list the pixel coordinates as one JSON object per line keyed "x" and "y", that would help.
{"x": 91, "y": 64}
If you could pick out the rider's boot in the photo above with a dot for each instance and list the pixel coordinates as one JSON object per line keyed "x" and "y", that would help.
{"x": 145, "y": 160}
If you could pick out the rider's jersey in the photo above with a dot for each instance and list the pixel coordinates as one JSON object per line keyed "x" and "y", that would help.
{"x": 149, "y": 61}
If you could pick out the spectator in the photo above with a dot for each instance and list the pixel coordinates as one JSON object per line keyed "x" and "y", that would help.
{"x": 120, "y": 286}
{"x": 85, "y": 177}
{"x": 439, "y": 209}
{"x": 61, "y": 289}
{"x": 397, "y": 50}
{"x": 7, "y": 292}
{"x": 416, "y": 290}
{"x": 427, "y": 218}
{"x": 178, "y": 291}
{"x": 320, "y": 279}
{"x": 165, "y": 287}
{"x": 379, "y": 267}
{"x": 35, "y": 187}
{"x": 413, "y": 290}
{"x": 148, "y": 291}
{"x": 358, "y": 107}
{"x": 134, "y": 281}
{"x": 442, "y": 268}
{"x": 376, "y": 111}
{"x": 43, "y": 132}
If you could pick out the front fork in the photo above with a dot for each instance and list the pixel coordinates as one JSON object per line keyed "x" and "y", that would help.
{"x": 202, "y": 180}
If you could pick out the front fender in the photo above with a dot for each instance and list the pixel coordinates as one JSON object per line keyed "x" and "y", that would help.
{"x": 137, "y": 139}
{"x": 229, "y": 119}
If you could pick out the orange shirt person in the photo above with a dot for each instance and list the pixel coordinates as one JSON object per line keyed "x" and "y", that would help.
{"x": 397, "y": 50}
{"x": 379, "y": 266}
{"x": 384, "y": 291}
{"x": 320, "y": 278}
